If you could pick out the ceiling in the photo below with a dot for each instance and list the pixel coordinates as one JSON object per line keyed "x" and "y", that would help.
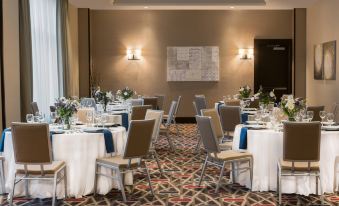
{"x": 192, "y": 4}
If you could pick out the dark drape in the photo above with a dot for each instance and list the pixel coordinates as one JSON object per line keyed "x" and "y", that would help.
{"x": 63, "y": 52}
{"x": 26, "y": 74}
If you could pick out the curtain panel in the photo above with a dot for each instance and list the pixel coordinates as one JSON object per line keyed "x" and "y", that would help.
{"x": 26, "y": 74}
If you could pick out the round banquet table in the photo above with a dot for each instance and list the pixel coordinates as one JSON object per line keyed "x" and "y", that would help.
{"x": 266, "y": 146}
{"x": 79, "y": 151}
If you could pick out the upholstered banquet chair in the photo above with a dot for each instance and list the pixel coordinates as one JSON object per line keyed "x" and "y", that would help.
{"x": 215, "y": 156}
{"x": 232, "y": 102}
{"x": 2, "y": 175}
{"x": 160, "y": 101}
{"x": 199, "y": 103}
{"x": 137, "y": 148}
{"x": 175, "y": 115}
{"x": 301, "y": 152}
{"x": 336, "y": 174}
{"x": 157, "y": 116}
{"x": 213, "y": 113}
{"x": 153, "y": 101}
{"x": 230, "y": 117}
{"x": 34, "y": 108}
{"x": 139, "y": 112}
{"x": 316, "y": 110}
{"x": 33, "y": 156}
{"x": 165, "y": 128}
{"x": 88, "y": 102}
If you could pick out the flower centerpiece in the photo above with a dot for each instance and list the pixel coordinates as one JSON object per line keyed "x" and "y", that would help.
{"x": 265, "y": 97}
{"x": 65, "y": 109}
{"x": 125, "y": 93}
{"x": 245, "y": 92}
{"x": 291, "y": 106}
{"x": 103, "y": 98}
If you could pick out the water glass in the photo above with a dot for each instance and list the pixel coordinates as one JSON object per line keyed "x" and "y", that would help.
{"x": 30, "y": 118}
{"x": 257, "y": 117}
{"x": 89, "y": 117}
{"x": 322, "y": 115}
{"x": 330, "y": 118}
{"x": 310, "y": 115}
{"x": 53, "y": 117}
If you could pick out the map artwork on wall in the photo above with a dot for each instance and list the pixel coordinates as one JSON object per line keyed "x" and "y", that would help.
{"x": 193, "y": 63}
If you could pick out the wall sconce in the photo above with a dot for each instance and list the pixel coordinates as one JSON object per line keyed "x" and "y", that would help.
{"x": 246, "y": 53}
{"x": 133, "y": 54}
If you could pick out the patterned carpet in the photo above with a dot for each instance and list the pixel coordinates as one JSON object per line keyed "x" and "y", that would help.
{"x": 178, "y": 186}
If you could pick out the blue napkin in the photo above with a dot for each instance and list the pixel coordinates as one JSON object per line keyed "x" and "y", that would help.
{"x": 108, "y": 140}
{"x": 124, "y": 120}
{"x": 243, "y": 138}
{"x": 244, "y": 118}
{"x": 3, "y": 136}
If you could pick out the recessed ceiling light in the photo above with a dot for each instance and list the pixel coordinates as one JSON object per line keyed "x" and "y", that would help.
{"x": 145, "y": 7}
{"x": 232, "y": 7}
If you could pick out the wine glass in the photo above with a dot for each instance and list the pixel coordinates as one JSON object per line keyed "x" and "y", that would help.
{"x": 103, "y": 120}
{"x": 330, "y": 118}
{"x": 248, "y": 103}
{"x": 257, "y": 117}
{"x": 53, "y": 117}
{"x": 89, "y": 117}
{"x": 30, "y": 118}
{"x": 310, "y": 115}
{"x": 97, "y": 118}
{"x": 322, "y": 115}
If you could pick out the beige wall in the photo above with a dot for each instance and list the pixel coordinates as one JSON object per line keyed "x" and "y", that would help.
{"x": 112, "y": 32}
{"x": 322, "y": 26}
{"x": 11, "y": 60}
{"x": 73, "y": 50}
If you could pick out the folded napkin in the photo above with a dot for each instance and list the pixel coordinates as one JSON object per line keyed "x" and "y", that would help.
{"x": 244, "y": 118}
{"x": 124, "y": 119}
{"x": 107, "y": 136}
{"x": 243, "y": 138}
{"x": 3, "y": 136}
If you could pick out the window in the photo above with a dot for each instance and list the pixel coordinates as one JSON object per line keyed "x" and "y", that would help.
{"x": 46, "y": 84}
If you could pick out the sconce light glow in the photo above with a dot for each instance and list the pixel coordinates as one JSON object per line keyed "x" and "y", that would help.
{"x": 246, "y": 53}
{"x": 133, "y": 54}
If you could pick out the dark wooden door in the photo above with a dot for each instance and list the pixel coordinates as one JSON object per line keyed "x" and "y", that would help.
{"x": 273, "y": 65}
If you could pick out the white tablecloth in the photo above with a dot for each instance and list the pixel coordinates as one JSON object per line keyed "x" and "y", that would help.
{"x": 79, "y": 151}
{"x": 266, "y": 147}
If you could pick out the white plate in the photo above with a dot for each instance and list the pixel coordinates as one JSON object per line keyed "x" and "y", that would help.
{"x": 327, "y": 123}
{"x": 57, "y": 131}
{"x": 255, "y": 126}
{"x": 331, "y": 128}
{"x": 254, "y": 122}
{"x": 92, "y": 129}
{"x": 250, "y": 109}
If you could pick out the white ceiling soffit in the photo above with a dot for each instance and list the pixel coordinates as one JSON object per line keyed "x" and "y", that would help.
{"x": 191, "y": 4}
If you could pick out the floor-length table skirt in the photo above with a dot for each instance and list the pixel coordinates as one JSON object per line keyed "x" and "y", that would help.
{"x": 266, "y": 146}
{"x": 79, "y": 151}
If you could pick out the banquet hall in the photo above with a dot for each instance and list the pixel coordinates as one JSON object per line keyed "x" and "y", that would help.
{"x": 169, "y": 102}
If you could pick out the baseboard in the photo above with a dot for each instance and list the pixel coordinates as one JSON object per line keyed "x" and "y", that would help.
{"x": 185, "y": 120}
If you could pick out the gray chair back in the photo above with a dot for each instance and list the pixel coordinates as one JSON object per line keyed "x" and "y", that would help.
{"x": 139, "y": 112}
{"x": 171, "y": 113}
{"x": 213, "y": 113}
{"x": 160, "y": 101}
{"x": 316, "y": 110}
{"x": 200, "y": 103}
{"x": 207, "y": 134}
{"x": 31, "y": 143}
{"x": 177, "y": 107}
{"x": 230, "y": 117}
{"x": 88, "y": 102}
{"x": 157, "y": 116}
{"x": 301, "y": 141}
{"x": 139, "y": 138}
{"x": 35, "y": 108}
{"x": 153, "y": 101}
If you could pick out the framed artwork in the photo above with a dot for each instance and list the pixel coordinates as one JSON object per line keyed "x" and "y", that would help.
{"x": 325, "y": 61}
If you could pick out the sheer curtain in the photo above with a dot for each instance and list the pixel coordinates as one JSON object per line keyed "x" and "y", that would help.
{"x": 46, "y": 84}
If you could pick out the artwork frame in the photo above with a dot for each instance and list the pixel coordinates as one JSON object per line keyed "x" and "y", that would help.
{"x": 325, "y": 61}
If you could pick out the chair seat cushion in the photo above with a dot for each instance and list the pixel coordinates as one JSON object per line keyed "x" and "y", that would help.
{"x": 163, "y": 128}
{"x": 299, "y": 166}
{"x": 118, "y": 161}
{"x": 226, "y": 145}
{"x": 231, "y": 155}
{"x": 36, "y": 169}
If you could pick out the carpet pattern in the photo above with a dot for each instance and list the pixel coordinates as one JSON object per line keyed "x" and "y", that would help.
{"x": 178, "y": 186}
